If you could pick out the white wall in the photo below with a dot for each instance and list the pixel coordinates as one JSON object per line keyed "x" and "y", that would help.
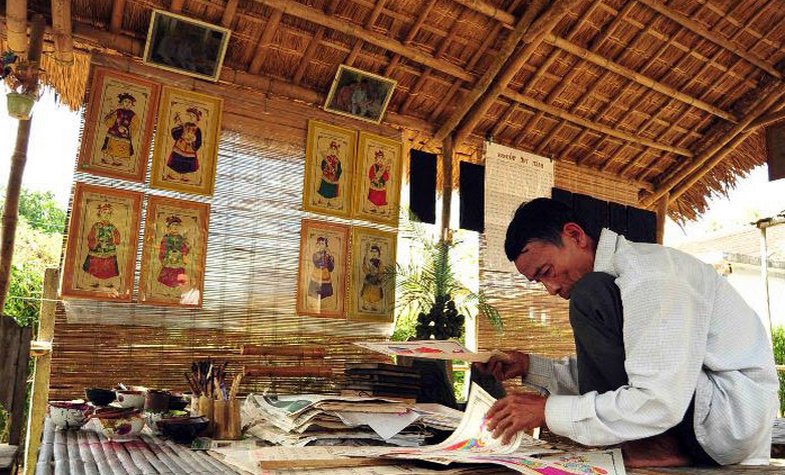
{"x": 747, "y": 280}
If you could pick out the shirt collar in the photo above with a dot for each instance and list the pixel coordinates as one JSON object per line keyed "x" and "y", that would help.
{"x": 606, "y": 247}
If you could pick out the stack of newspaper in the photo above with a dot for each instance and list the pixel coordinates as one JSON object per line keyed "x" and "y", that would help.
{"x": 311, "y": 419}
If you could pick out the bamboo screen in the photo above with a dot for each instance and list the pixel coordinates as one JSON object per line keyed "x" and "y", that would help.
{"x": 534, "y": 321}
{"x": 250, "y": 281}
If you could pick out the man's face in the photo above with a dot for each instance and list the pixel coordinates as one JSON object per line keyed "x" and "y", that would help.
{"x": 558, "y": 268}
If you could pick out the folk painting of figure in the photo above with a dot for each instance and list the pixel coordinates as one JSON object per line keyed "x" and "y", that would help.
{"x": 102, "y": 240}
{"x": 186, "y": 143}
{"x": 321, "y": 281}
{"x": 118, "y": 125}
{"x": 174, "y": 252}
{"x": 359, "y": 94}
{"x": 378, "y": 179}
{"x": 371, "y": 292}
{"x": 329, "y": 162}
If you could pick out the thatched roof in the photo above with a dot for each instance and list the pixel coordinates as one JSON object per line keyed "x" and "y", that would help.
{"x": 668, "y": 93}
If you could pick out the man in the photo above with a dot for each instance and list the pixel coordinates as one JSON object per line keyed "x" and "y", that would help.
{"x": 671, "y": 362}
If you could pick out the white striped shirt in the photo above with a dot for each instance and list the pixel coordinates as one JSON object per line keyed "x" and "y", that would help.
{"x": 686, "y": 331}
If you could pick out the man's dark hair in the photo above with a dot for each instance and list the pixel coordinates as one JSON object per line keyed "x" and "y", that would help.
{"x": 542, "y": 219}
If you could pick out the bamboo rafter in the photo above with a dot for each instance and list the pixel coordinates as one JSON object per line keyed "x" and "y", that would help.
{"x": 116, "y": 22}
{"x": 176, "y": 6}
{"x": 264, "y": 41}
{"x": 713, "y": 37}
{"x": 312, "y": 45}
{"x": 369, "y": 22}
{"x": 16, "y": 21}
{"x": 526, "y": 21}
{"x": 411, "y": 35}
{"x": 228, "y": 16}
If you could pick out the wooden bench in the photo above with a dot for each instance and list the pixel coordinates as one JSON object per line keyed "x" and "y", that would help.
{"x": 14, "y": 357}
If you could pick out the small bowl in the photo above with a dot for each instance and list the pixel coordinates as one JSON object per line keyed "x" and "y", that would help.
{"x": 153, "y": 418}
{"x": 178, "y": 403}
{"x": 120, "y": 425}
{"x": 130, "y": 399}
{"x": 69, "y": 414}
{"x": 99, "y": 397}
{"x": 183, "y": 429}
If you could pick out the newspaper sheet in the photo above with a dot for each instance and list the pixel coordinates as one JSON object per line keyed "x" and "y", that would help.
{"x": 433, "y": 349}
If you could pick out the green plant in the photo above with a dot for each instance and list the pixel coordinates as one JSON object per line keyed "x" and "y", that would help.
{"x": 429, "y": 288}
{"x": 778, "y": 345}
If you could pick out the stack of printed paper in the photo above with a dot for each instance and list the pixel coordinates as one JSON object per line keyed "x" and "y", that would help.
{"x": 299, "y": 420}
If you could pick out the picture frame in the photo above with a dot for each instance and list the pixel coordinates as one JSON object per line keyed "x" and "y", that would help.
{"x": 329, "y": 166}
{"x": 322, "y": 269}
{"x": 359, "y": 94}
{"x": 118, "y": 125}
{"x": 174, "y": 252}
{"x": 371, "y": 294}
{"x": 103, "y": 235}
{"x": 185, "y": 154}
{"x": 377, "y": 179}
{"x": 185, "y": 45}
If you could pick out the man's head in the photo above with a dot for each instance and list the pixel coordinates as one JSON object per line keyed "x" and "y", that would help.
{"x": 548, "y": 243}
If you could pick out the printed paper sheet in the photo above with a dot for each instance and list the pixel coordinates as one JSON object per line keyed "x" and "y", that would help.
{"x": 433, "y": 349}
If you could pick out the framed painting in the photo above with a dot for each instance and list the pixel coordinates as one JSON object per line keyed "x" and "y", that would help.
{"x": 118, "y": 125}
{"x": 103, "y": 234}
{"x": 186, "y": 46}
{"x": 377, "y": 179}
{"x": 371, "y": 295}
{"x": 321, "y": 276}
{"x": 174, "y": 252}
{"x": 186, "y": 142}
{"x": 359, "y": 94}
{"x": 329, "y": 166}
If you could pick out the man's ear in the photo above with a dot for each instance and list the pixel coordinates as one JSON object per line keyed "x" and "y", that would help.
{"x": 575, "y": 232}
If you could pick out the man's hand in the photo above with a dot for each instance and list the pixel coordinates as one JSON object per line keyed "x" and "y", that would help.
{"x": 506, "y": 365}
{"x": 514, "y": 413}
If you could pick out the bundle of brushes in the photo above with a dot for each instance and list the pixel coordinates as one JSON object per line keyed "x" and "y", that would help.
{"x": 208, "y": 378}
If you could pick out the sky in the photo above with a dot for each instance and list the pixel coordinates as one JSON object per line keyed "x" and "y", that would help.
{"x": 53, "y": 148}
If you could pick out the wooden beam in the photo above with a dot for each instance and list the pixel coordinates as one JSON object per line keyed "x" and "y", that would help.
{"x": 662, "y": 215}
{"x": 604, "y": 129}
{"x": 369, "y": 22}
{"x": 701, "y": 30}
{"x": 766, "y": 120}
{"x": 505, "y": 18}
{"x": 176, "y": 6}
{"x": 16, "y": 21}
{"x": 301, "y": 11}
{"x": 227, "y": 19}
{"x": 410, "y": 36}
{"x": 636, "y": 77}
{"x": 61, "y": 27}
{"x": 533, "y": 38}
{"x": 696, "y": 169}
{"x": 264, "y": 41}
{"x": 448, "y": 150}
{"x": 116, "y": 23}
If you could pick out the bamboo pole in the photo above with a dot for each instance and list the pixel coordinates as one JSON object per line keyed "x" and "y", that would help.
{"x": 695, "y": 170}
{"x": 40, "y": 391}
{"x": 526, "y": 24}
{"x": 312, "y": 45}
{"x": 701, "y": 30}
{"x": 378, "y": 39}
{"x": 176, "y": 6}
{"x": 264, "y": 41}
{"x": 766, "y": 120}
{"x": 61, "y": 27}
{"x": 555, "y": 111}
{"x": 16, "y": 19}
{"x": 448, "y": 151}
{"x": 662, "y": 215}
{"x": 300, "y": 351}
{"x": 636, "y": 77}
{"x": 505, "y": 18}
{"x": 357, "y": 46}
{"x": 18, "y": 160}
{"x": 230, "y": 10}
{"x": 288, "y": 371}
{"x": 116, "y": 23}
{"x": 424, "y": 12}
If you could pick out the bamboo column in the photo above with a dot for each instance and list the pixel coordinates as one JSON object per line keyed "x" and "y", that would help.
{"x": 448, "y": 149}
{"x": 18, "y": 160}
{"x": 662, "y": 215}
{"x": 61, "y": 29}
{"x": 16, "y": 19}
{"x": 40, "y": 391}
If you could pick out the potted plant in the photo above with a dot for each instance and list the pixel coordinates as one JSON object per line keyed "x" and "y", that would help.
{"x": 19, "y": 76}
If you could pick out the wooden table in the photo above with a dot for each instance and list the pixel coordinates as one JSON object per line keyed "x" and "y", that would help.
{"x": 88, "y": 452}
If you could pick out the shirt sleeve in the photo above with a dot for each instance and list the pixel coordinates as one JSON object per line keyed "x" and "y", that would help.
{"x": 665, "y": 343}
{"x": 553, "y": 376}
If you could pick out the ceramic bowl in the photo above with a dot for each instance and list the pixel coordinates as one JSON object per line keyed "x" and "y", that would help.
{"x": 69, "y": 414}
{"x": 99, "y": 397}
{"x": 153, "y": 418}
{"x": 130, "y": 399}
{"x": 178, "y": 402}
{"x": 183, "y": 429}
{"x": 120, "y": 425}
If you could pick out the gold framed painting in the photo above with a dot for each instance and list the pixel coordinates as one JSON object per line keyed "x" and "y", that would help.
{"x": 377, "y": 179}
{"x": 186, "y": 142}
{"x": 321, "y": 276}
{"x": 100, "y": 257}
{"x": 359, "y": 94}
{"x": 371, "y": 294}
{"x": 174, "y": 252}
{"x": 118, "y": 125}
{"x": 329, "y": 166}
